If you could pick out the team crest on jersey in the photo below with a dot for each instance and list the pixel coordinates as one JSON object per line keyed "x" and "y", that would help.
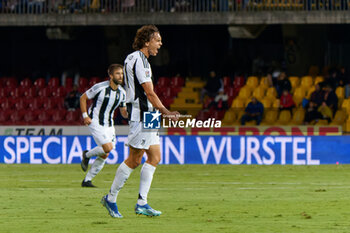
{"x": 148, "y": 74}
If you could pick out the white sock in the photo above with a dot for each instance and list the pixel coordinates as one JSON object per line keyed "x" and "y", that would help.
{"x": 96, "y": 167}
{"x": 97, "y": 151}
{"x": 122, "y": 174}
{"x": 147, "y": 172}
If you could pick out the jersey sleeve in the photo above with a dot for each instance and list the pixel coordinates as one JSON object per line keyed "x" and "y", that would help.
{"x": 123, "y": 101}
{"x": 143, "y": 71}
{"x": 92, "y": 92}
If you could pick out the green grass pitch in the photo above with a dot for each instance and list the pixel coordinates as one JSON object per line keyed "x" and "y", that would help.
{"x": 193, "y": 198}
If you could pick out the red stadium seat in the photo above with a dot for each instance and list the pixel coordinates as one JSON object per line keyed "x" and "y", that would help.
{"x": 54, "y": 82}
{"x": 45, "y": 92}
{"x": 203, "y": 115}
{"x": 177, "y": 81}
{"x": 30, "y": 92}
{"x": 27, "y": 83}
{"x": 83, "y": 82}
{"x": 59, "y": 92}
{"x": 17, "y": 92}
{"x": 218, "y": 115}
{"x": 3, "y": 81}
{"x": 58, "y": 117}
{"x": 21, "y": 104}
{"x": 82, "y": 90}
{"x": 69, "y": 82}
{"x": 44, "y": 118}
{"x": 72, "y": 118}
{"x": 49, "y": 104}
{"x": 4, "y": 92}
{"x": 238, "y": 82}
{"x": 6, "y": 104}
{"x": 36, "y": 103}
{"x": 59, "y": 102}
{"x": 5, "y": 116}
{"x": 40, "y": 83}
{"x": 227, "y": 82}
{"x": 17, "y": 117}
{"x": 164, "y": 82}
{"x": 93, "y": 81}
{"x": 11, "y": 82}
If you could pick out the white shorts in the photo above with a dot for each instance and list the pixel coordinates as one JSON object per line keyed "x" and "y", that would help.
{"x": 102, "y": 134}
{"x": 141, "y": 138}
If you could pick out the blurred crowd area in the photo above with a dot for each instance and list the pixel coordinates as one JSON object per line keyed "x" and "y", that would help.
{"x": 125, "y": 6}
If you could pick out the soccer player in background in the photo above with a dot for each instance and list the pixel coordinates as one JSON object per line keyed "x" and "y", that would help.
{"x": 107, "y": 96}
{"x": 140, "y": 98}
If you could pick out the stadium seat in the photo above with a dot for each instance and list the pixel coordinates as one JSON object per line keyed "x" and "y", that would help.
{"x": 306, "y": 82}
{"x": 17, "y": 92}
{"x": 30, "y": 92}
{"x": 238, "y": 103}
{"x": 310, "y": 91}
{"x": 54, "y": 82}
{"x": 318, "y": 79}
{"x": 284, "y": 117}
{"x": 266, "y": 102}
{"x": 4, "y": 92}
{"x": 238, "y": 82}
{"x": 44, "y": 118}
{"x": 252, "y": 82}
{"x": 227, "y": 82}
{"x": 340, "y": 92}
{"x": 271, "y": 93}
{"x": 164, "y": 82}
{"x": 298, "y": 95}
{"x": 72, "y": 117}
{"x": 59, "y": 92}
{"x": 245, "y": 92}
{"x": 83, "y": 82}
{"x": 177, "y": 81}
{"x": 58, "y": 117}
{"x": 264, "y": 83}
{"x": 339, "y": 118}
{"x": 11, "y": 82}
{"x": 16, "y": 118}
{"x": 59, "y": 102}
{"x": 321, "y": 122}
{"x": 36, "y": 103}
{"x": 294, "y": 80}
{"x": 203, "y": 115}
{"x": 298, "y": 117}
{"x": 40, "y": 83}
{"x": 5, "y": 116}
{"x": 259, "y": 93}
{"x": 6, "y": 104}
{"x": 21, "y": 103}
{"x": 93, "y": 81}
{"x": 68, "y": 82}
{"x": 218, "y": 115}
{"x": 45, "y": 92}
{"x": 27, "y": 83}
{"x": 346, "y": 105}
{"x": 229, "y": 118}
{"x": 276, "y": 103}
{"x": 270, "y": 117}
{"x": 31, "y": 117}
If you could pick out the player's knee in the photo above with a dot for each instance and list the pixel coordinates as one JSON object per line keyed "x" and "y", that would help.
{"x": 105, "y": 156}
{"x": 108, "y": 148}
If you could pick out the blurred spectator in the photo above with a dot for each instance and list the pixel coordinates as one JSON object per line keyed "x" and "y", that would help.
{"x": 71, "y": 102}
{"x": 312, "y": 113}
{"x": 329, "y": 104}
{"x": 331, "y": 80}
{"x": 317, "y": 96}
{"x": 213, "y": 87}
{"x": 253, "y": 111}
{"x": 344, "y": 81}
{"x": 220, "y": 101}
{"x": 286, "y": 101}
{"x": 283, "y": 83}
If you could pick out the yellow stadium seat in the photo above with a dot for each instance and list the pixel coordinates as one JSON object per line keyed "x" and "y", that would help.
{"x": 346, "y": 105}
{"x": 294, "y": 81}
{"x": 266, "y": 102}
{"x": 229, "y": 118}
{"x": 310, "y": 91}
{"x": 264, "y": 83}
{"x": 238, "y": 118}
{"x": 259, "y": 93}
{"x": 340, "y": 91}
{"x": 347, "y": 126}
{"x": 252, "y": 82}
{"x": 284, "y": 117}
{"x": 245, "y": 92}
{"x": 298, "y": 117}
{"x": 339, "y": 118}
{"x": 319, "y": 79}
{"x": 306, "y": 82}
{"x": 271, "y": 93}
{"x": 276, "y": 103}
{"x": 298, "y": 95}
{"x": 238, "y": 103}
{"x": 270, "y": 117}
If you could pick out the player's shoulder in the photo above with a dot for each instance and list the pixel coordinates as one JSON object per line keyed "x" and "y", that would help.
{"x": 122, "y": 90}
{"x": 133, "y": 56}
{"x": 100, "y": 85}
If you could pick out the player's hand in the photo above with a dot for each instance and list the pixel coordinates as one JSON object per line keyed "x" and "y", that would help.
{"x": 174, "y": 116}
{"x": 87, "y": 120}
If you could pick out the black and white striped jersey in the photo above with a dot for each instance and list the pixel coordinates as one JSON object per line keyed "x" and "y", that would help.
{"x": 105, "y": 101}
{"x": 137, "y": 70}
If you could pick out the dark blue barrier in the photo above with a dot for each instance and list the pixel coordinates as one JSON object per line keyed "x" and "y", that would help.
{"x": 186, "y": 149}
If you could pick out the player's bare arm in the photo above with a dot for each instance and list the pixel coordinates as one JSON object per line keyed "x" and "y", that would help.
{"x": 87, "y": 119}
{"x": 124, "y": 112}
{"x": 155, "y": 101}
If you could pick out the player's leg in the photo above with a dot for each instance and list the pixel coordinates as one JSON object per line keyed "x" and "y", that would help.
{"x": 97, "y": 165}
{"x": 147, "y": 171}
{"x": 122, "y": 174}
